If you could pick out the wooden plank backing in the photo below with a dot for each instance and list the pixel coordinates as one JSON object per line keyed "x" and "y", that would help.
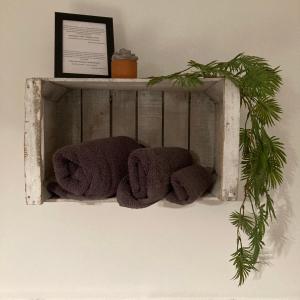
{"x": 62, "y": 126}
{"x": 150, "y": 118}
{"x": 32, "y": 142}
{"x": 176, "y": 119}
{"x": 124, "y": 113}
{"x": 95, "y": 114}
{"x": 202, "y": 129}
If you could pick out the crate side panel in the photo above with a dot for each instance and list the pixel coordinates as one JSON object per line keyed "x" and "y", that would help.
{"x": 95, "y": 114}
{"x": 32, "y": 142}
{"x": 231, "y": 127}
{"x": 219, "y": 148}
{"x": 124, "y": 113}
{"x": 202, "y": 129}
{"x": 176, "y": 119}
{"x": 150, "y": 118}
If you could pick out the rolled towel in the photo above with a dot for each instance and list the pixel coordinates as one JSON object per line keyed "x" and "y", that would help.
{"x": 149, "y": 172}
{"x": 126, "y": 199}
{"x": 190, "y": 183}
{"x": 92, "y": 169}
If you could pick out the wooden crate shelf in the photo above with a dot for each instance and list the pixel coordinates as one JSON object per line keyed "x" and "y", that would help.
{"x": 61, "y": 111}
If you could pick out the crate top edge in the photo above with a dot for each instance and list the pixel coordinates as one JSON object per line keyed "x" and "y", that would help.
{"x": 123, "y": 84}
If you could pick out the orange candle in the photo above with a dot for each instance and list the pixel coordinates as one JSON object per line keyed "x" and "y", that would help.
{"x": 124, "y": 64}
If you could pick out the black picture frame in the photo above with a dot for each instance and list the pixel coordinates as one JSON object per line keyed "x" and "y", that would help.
{"x": 58, "y": 58}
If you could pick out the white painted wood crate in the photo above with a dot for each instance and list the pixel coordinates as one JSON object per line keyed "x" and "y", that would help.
{"x": 204, "y": 120}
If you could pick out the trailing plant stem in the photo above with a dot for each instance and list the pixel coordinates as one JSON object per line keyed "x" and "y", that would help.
{"x": 262, "y": 156}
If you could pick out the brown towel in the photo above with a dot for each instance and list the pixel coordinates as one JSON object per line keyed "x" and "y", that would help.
{"x": 189, "y": 183}
{"x": 92, "y": 169}
{"x": 149, "y": 172}
{"x": 126, "y": 199}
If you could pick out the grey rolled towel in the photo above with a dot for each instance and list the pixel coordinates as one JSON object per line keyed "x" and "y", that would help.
{"x": 149, "y": 171}
{"x": 190, "y": 183}
{"x": 92, "y": 169}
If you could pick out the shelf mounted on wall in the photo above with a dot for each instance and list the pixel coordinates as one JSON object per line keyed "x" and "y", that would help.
{"x": 60, "y": 111}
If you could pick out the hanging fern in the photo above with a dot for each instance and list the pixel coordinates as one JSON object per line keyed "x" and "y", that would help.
{"x": 262, "y": 155}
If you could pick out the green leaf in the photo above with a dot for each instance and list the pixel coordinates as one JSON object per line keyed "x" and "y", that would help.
{"x": 270, "y": 211}
{"x": 242, "y": 259}
{"x": 267, "y": 110}
{"x": 243, "y": 221}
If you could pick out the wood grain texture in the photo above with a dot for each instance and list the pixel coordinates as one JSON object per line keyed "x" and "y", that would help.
{"x": 32, "y": 142}
{"x": 126, "y": 84}
{"x": 163, "y": 202}
{"x": 219, "y": 145}
{"x": 124, "y": 113}
{"x": 52, "y": 91}
{"x": 150, "y": 118}
{"x": 176, "y": 119}
{"x": 230, "y": 153}
{"x": 202, "y": 124}
{"x": 62, "y": 126}
{"x": 95, "y": 114}
{"x": 216, "y": 91}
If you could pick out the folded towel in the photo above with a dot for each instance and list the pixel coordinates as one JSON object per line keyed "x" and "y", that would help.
{"x": 92, "y": 169}
{"x": 189, "y": 183}
{"x": 149, "y": 172}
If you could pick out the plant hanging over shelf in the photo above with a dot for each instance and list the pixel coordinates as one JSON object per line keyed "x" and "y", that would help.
{"x": 262, "y": 155}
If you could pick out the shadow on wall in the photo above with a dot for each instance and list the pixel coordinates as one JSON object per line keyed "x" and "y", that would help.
{"x": 279, "y": 237}
{"x": 279, "y": 240}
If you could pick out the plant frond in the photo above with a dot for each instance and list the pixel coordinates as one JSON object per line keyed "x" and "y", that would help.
{"x": 263, "y": 156}
{"x": 243, "y": 221}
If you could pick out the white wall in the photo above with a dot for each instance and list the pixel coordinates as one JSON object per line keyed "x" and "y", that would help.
{"x": 68, "y": 250}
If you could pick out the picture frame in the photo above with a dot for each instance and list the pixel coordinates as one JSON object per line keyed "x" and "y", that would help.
{"x": 84, "y": 46}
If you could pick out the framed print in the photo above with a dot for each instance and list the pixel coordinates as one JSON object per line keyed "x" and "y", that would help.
{"x": 84, "y": 45}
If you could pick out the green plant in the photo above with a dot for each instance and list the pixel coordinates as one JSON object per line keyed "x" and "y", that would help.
{"x": 262, "y": 155}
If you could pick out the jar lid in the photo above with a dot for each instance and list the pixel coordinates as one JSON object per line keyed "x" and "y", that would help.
{"x": 124, "y": 54}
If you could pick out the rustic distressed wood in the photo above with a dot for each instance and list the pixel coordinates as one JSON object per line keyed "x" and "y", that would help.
{"x": 202, "y": 133}
{"x": 230, "y": 147}
{"x": 56, "y": 114}
{"x": 124, "y": 113}
{"x": 207, "y": 197}
{"x": 52, "y": 91}
{"x": 216, "y": 91}
{"x": 62, "y": 126}
{"x": 32, "y": 142}
{"x": 127, "y": 84}
{"x": 95, "y": 114}
{"x": 219, "y": 144}
{"x": 150, "y": 118}
{"x": 176, "y": 119}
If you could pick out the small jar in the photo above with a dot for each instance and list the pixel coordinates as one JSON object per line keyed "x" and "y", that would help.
{"x": 124, "y": 64}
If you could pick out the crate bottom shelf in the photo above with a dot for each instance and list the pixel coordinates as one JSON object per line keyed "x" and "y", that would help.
{"x": 206, "y": 197}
